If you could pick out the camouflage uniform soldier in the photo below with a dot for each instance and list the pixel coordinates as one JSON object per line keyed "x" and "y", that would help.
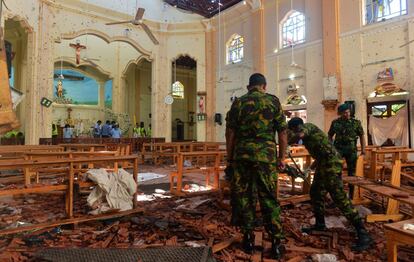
{"x": 252, "y": 123}
{"x": 327, "y": 178}
{"x": 347, "y": 130}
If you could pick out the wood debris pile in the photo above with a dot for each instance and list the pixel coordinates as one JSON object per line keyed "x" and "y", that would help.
{"x": 191, "y": 221}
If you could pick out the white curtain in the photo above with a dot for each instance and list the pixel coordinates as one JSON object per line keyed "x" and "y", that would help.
{"x": 394, "y": 128}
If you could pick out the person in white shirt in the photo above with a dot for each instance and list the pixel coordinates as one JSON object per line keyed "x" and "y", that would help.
{"x": 116, "y": 132}
{"x": 97, "y": 129}
{"x": 67, "y": 132}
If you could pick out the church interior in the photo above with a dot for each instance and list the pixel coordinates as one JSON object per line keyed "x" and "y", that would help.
{"x": 125, "y": 124}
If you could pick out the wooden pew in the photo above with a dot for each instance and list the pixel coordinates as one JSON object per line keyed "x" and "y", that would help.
{"x": 390, "y": 191}
{"x": 176, "y": 177}
{"x": 162, "y": 152}
{"x": 378, "y": 158}
{"x": 67, "y": 186}
{"x": 42, "y": 156}
{"x": 396, "y": 235}
{"x": 135, "y": 143}
{"x": 84, "y": 147}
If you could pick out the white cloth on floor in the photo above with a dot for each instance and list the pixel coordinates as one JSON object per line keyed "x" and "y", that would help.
{"x": 117, "y": 189}
{"x": 394, "y": 128}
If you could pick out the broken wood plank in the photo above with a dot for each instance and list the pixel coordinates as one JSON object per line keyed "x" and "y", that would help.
{"x": 172, "y": 241}
{"x": 257, "y": 256}
{"x": 258, "y": 239}
{"x": 296, "y": 259}
{"x": 108, "y": 241}
{"x": 335, "y": 240}
{"x": 70, "y": 221}
{"x": 384, "y": 218}
{"x": 306, "y": 249}
{"x": 224, "y": 244}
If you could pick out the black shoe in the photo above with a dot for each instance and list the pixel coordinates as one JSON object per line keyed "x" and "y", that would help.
{"x": 316, "y": 227}
{"x": 364, "y": 240}
{"x": 248, "y": 243}
{"x": 319, "y": 225}
{"x": 278, "y": 250}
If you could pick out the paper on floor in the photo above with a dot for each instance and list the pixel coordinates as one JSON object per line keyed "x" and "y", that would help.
{"x": 142, "y": 177}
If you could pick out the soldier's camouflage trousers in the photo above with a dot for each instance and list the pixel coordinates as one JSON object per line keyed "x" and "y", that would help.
{"x": 350, "y": 154}
{"x": 328, "y": 179}
{"x": 252, "y": 181}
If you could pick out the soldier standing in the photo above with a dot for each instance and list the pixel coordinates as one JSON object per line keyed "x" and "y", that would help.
{"x": 347, "y": 130}
{"x": 327, "y": 178}
{"x": 252, "y": 123}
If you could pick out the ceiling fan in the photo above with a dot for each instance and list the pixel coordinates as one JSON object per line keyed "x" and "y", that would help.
{"x": 68, "y": 77}
{"x": 293, "y": 64}
{"x": 139, "y": 22}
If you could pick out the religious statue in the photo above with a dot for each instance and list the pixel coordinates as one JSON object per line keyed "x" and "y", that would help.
{"x": 59, "y": 88}
{"x": 78, "y": 47}
{"x": 201, "y": 105}
{"x": 69, "y": 120}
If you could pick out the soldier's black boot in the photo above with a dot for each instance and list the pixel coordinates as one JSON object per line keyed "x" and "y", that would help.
{"x": 248, "y": 242}
{"x": 319, "y": 225}
{"x": 278, "y": 250}
{"x": 364, "y": 240}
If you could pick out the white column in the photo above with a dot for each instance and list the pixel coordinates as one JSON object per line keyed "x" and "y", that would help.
{"x": 161, "y": 86}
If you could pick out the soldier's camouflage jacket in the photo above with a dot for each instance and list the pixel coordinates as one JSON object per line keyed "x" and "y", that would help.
{"x": 255, "y": 118}
{"x": 346, "y": 132}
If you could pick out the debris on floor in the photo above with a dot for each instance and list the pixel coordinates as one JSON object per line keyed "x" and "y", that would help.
{"x": 196, "y": 222}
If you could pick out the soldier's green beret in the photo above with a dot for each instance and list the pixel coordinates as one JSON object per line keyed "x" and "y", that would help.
{"x": 343, "y": 108}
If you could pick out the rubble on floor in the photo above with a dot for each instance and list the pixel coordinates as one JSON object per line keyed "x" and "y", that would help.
{"x": 188, "y": 221}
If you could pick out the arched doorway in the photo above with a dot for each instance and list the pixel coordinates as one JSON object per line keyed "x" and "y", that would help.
{"x": 184, "y": 91}
{"x": 138, "y": 79}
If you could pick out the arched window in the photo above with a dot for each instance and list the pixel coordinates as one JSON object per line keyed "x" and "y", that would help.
{"x": 178, "y": 90}
{"x": 293, "y": 29}
{"x": 235, "y": 50}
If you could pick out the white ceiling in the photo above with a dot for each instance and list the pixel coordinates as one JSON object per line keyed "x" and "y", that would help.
{"x": 155, "y": 10}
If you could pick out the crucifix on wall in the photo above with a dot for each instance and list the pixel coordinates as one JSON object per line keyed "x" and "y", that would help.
{"x": 78, "y": 47}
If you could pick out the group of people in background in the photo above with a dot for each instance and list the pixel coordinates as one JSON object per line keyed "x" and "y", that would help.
{"x": 140, "y": 131}
{"x": 107, "y": 130}
{"x": 112, "y": 130}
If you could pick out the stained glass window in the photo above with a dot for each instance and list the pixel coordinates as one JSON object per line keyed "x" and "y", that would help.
{"x": 293, "y": 29}
{"x": 380, "y": 10}
{"x": 235, "y": 49}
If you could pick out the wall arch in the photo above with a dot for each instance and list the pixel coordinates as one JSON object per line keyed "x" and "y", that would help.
{"x": 70, "y": 61}
{"x": 109, "y": 39}
{"x": 134, "y": 62}
{"x": 23, "y": 21}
